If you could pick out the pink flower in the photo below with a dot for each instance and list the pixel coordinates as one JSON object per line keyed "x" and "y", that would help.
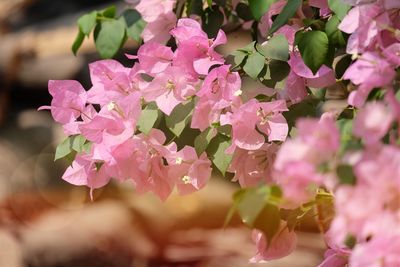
{"x": 282, "y": 244}
{"x": 322, "y": 135}
{"x": 364, "y": 23}
{"x": 69, "y": 100}
{"x": 151, "y": 173}
{"x": 323, "y": 78}
{"x": 169, "y": 89}
{"x": 370, "y": 71}
{"x": 191, "y": 172}
{"x": 84, "y": 171}
{"x": 392, "y": 54}
{"x": 299, "y": 181}
{"x": 372, "y": 122}
{"x": 252, "y": 167}
{"x": 154, "y": 57}
{"x": 110, "y": 81}
{"x": 322, "y": 5}
{"x": 117, "y": 119}
{"x": 336, "y": 255}
{"x": 152, "y": 9}
{"x": 160, "y": 19}
{"x": 380, "y": 251}
{"x": 220, "y": 90}
{"x": 187, "y": 29}
{"x": 158, "y": 30}
{"x": 295, "y": 89}
{"x": 196, "y": 53}
{"x": 266, "y": 117}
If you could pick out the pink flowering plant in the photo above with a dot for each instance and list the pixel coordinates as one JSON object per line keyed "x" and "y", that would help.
{"x": 182, "y": 110}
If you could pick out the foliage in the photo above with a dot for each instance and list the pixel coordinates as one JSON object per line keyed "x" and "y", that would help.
{"x": 260, "y": 115}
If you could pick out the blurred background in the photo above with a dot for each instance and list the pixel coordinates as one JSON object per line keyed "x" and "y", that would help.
{"x": 45, "y": 222}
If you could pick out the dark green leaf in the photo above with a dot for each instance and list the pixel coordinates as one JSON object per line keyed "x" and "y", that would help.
{"x": 268, "y": 221}
{"x": 276, "y": 48}
{"x": 313, "y": 46}
{"x": 339, "y": 8}
{"x": 276, "y": 72}
{"x": 78, "y": 42}
{"x": 109, "y": 36}
{"x": 87, "y": 22}
{"x": 212, "y": 21}
{"x": 334, "y": 34}
{"x": 254, "y": 64}
{"x": 345, "y": 174}
{"x": 180, "y": 117}
{"x": 350, "y": 241}
{"x": 134, "y": 24}
{"x": 203, "y": 139}
{"x": 148, "y": 117}
{"x": 216, "y": 150}
{"x": 243, "y": 11}
{"x": 341, "y": 65}
{"x": 259, "y": 7}
{"x": 109, "y": 12}
{"x": 306, "y": 108}
{"x": 287, "y": 12}
{"x": 194, "y": 7}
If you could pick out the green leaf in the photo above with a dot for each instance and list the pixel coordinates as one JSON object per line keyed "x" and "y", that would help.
{"x": 203, "y": 140}
{"x": 209, "y": 3}
{"x": 254, "y": 64}
{"x": 134, "y": 24}
{"x": 276, "y": 72}
{"x": 251, "y": 204}
{"x": 350, "y": 241}
{"x": 194, "y": 7}
{"x": 268, "y": 221}
{"x": 78, "y": 142}
{"x": 109, "y": 36}
{"x": 287, "y": 12}
{"x": 306, "y": 108}
{"x": 342, "y": 64}
{"x": 259, "y": 7}
{"x": 212, "y": 21}
{"x": 398, "y": 95}
{"x": 313, "y": 46}
{"x": 87, "y": 22}
{"x": 239, "y": 57}
{"x": 78, "y": 42}
{"x": 63, "y": 149}
{"x": 180, "y": 117}
{"x": 339, "y": 8}
{"x": 74, "y": 143}
{"x": 346, "y": 174}
{"x": 335, "y": 36}
{"x": 243, "y": 11}
{"x": 109, "y": 12}
{"x": 258, "y": 208}
{"x": 216, "y": 150}
{"x": 148, "y": 117}
{"x": 276, "y": 48}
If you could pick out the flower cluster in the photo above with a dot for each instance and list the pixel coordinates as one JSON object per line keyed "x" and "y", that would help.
{"x": 107, "y": 115}
{"x": 344, "y": 166}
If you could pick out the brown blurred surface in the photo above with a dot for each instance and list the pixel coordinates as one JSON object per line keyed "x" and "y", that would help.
{"x": 120, "y": 228}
